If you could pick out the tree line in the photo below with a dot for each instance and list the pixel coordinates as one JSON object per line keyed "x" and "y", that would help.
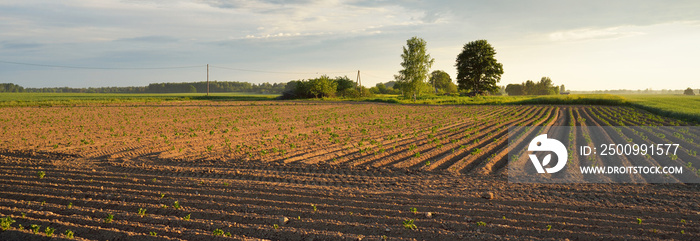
{"x": 216, "y": 86}
{"x": 9, "y": 87}
{"x": 542, "y": 87}
{"x": 187, "y": 87}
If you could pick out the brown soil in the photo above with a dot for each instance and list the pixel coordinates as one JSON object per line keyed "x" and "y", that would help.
{"x": 241, "y": 166}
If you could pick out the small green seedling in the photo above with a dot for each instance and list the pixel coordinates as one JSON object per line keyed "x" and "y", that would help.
{"x": 413, "y": 210}
{"x": 218, "y": 232}
{"x": 109, "y": 218}
{"x": 480, "y": 223}
{"x": 162, "y": 195}
{"x": 549, "y": 227}
{"x": 70, "y": 205}
{"x": 227, "y": 234}
{"x": 40, "y": 174}
{"x": 176, "y": 205}
{"x": 314, "y": 207}
{"x": 49, "y": 231}
{"x": 6, "y": 222}
{"x": 69, "y": 234}
{"x": 142, "y": 212}
{"x": 682, "y": 231}
{"x": 187, "y": 218}
{"x": 153, "y": 233}
{"x": 35, "y": 228}
{"x": 275, "y": 226}
{"x": 408, "y": 224}
{"x": 639, "y": 221}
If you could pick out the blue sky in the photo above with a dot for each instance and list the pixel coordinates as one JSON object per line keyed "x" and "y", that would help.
{"x": 584, "y": 45}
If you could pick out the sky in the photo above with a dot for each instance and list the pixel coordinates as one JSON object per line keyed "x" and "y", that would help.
{"x": 584, "y": 45}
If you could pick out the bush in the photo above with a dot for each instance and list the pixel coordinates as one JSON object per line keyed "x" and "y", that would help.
{"x": 323, "y": 87}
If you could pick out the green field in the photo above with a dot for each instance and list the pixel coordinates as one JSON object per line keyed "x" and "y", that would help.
{"x": 676, "y": 106}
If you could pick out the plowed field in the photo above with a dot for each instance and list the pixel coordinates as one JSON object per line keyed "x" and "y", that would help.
{"x": 336, "y": 171}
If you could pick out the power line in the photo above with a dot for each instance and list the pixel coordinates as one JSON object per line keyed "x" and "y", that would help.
{"x": 83, "y": 67}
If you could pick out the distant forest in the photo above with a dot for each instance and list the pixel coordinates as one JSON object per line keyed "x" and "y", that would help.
{"x": 264, "y": 88}
{"x": 645, "y": 91}
{"x": 188, "y": 87}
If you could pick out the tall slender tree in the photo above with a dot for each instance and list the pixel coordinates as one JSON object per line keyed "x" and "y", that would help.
{"x": 416, "y": 65}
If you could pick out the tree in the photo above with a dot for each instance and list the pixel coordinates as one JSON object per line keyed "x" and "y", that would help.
{"x": 381, "y": 88}
{"x": 323, "y": 87}
{"x": 529, "y": 87}
{"x": 416, "y": 64}
{"x": 442, "y": 82}
{"x": 192, "y": 89}
{"x": 344, "y": 83}
{"x": 515, "y": 89}
{"x": 688, "y": 91}
{"x": 477, "y": 68}
{"x": 545, "y": 87}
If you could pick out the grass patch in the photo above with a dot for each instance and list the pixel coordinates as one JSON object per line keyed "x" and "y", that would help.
{"x": 682, "y": 107}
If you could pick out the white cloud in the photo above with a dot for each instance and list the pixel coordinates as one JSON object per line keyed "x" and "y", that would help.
{"x": 595, "y": 33}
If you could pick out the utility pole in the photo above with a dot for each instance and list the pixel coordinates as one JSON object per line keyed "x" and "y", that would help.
{"x": 207, "y": 79}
